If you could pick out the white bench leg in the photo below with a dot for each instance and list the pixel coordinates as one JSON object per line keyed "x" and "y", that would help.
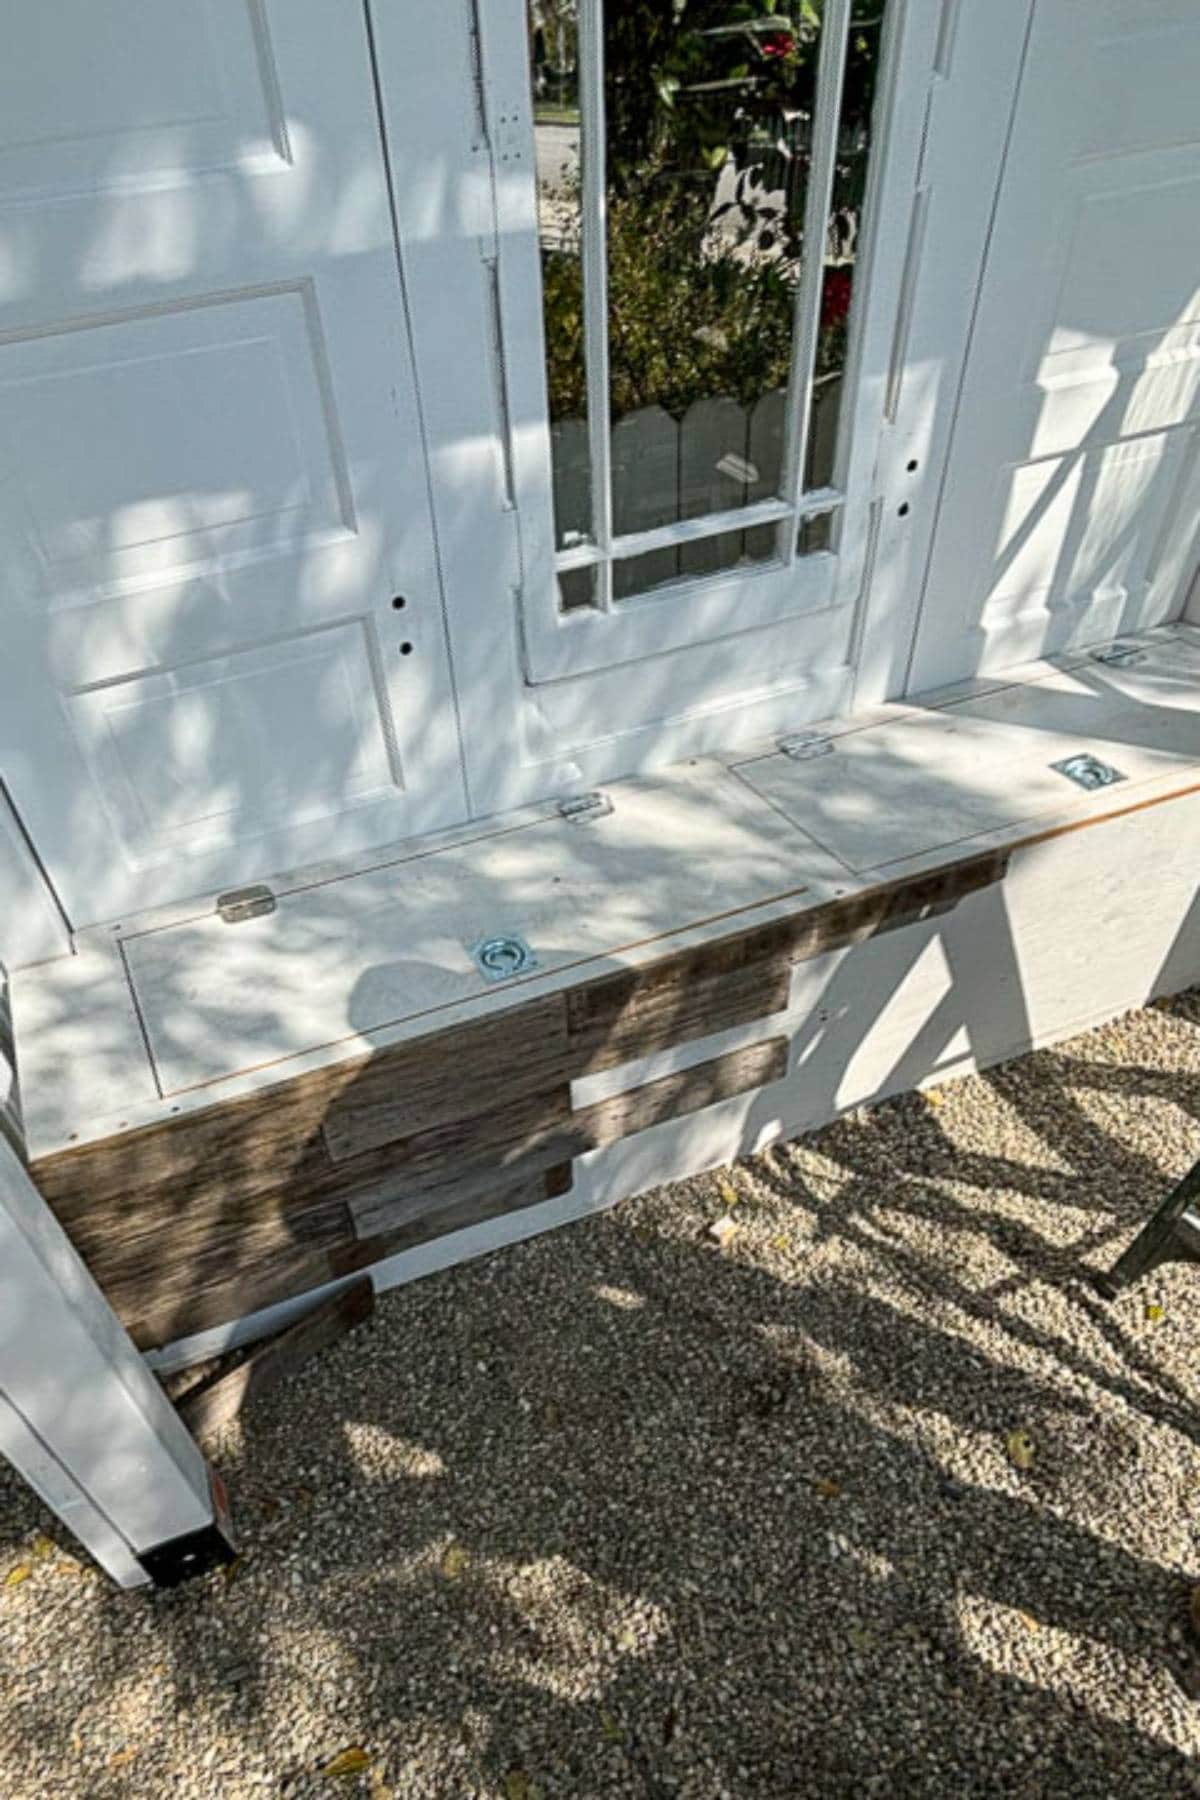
{"x": 82, "y": 1418}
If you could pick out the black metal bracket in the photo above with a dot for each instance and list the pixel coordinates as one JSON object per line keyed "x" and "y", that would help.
{"x": 1171, "y": 1234}
{"x": 196, "y": 1552}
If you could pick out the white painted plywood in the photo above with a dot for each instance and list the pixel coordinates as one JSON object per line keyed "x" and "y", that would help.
{"x": 928, "y": 781}
{"x": 31, "y": 926}
{"x": 346, "y": 958}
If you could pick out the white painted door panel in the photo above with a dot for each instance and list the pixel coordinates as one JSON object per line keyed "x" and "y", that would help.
{"x": 1070, "y": 501}
{"x": 212, "y": 478}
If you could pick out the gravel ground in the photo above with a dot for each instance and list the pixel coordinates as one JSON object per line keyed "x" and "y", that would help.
{"x": 621, "y": 1511}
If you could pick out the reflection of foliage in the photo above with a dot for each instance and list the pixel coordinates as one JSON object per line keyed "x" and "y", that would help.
{"x": 694, "y": 84}
{"x": 681, "y": 326}
{"x": 701, "y": 295}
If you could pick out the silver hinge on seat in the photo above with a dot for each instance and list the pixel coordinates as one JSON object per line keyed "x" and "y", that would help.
{"x": 245, "y": 903}
{"x": 1120, "y": 656}
{"x": 581, "y": 809}
{"x": 802, "y": 746}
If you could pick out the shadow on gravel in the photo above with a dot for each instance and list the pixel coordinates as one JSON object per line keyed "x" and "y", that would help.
{"x": 611, "y": 1513}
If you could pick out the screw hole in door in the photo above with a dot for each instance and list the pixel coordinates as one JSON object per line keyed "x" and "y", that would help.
{"x": 406, "y": 649}
{"x": 902, "y": 511}
{"x": 913, "y": 466}
{"x": 399, "y": 603}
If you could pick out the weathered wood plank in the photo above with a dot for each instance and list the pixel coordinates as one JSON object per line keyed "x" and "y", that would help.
{"x": 244, "y": 1149}
{"x": 466, "y": 1156}
{"x": 686, "y": 1091}
{"x": 551, "y": 1139}
{"x": 165, "y": 1288}
{"x": 204, "y": 1409}
{"x": 505, "y": 1057}
{"x": 747, "y": 976}
{"x": 438, "y": 1216}
{"x": 692, "y": 994}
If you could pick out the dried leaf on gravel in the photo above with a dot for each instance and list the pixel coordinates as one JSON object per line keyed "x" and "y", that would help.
{"x": 123, "y": 1757}
{"x": 723, "y": 1230}
{"x": 454, "y": 1561}
{"x": 42, "y": 1547}
{"x": 727, "y": 1191}
{"x": 1021, "y": 1452}
{"x": 517, "y": 1786}
{"x": 18, "y": 1573}
{"x": 351, "y": 1761}
{"x": 1154, "y": 1312}
{"x": 828, "y": 1488}
{"x": 611, "y": 1729}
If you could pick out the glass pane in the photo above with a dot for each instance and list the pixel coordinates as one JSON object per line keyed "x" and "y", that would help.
{"x": 815, "y": 533}
{"x": 709, "y": 112}
{"x": 577, "y": 589}
{"x": 658, "y": 568}
{"x": 711, "y": 115}
{"x": 842, "y": 242}
{"x": 554, "y": 58}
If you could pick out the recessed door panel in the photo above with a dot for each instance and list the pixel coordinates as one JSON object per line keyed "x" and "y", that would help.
{"x": 1069, "y": 508}
{"x": 220, "y": 599}
{"x": 94, "y": 97}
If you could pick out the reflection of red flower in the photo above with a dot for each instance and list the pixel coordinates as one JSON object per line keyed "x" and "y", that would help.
{"x": 780, "y": 43}
{"x": 835, "y": 296}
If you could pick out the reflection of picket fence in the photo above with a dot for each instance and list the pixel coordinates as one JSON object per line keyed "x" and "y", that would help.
{"x": 719, "y": 456}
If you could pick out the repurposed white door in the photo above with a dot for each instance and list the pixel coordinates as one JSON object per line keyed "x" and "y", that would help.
{"x": 699, "y": 252}
{"x": 222, "y": 647}
{"x": 1073, "y": 483}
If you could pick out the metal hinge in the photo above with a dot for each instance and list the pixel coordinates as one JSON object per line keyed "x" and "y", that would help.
{"x": 1120, "y": 656}
{"x": 581, "y": 809}
{"x": 245, "y": 903}
{"x": 802, "y": 746}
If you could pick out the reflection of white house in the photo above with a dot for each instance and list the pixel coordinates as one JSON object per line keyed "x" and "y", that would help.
{"x": 363, "y": 905}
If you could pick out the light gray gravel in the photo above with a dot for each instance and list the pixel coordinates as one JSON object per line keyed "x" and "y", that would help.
{"x": 620, "y": 1512}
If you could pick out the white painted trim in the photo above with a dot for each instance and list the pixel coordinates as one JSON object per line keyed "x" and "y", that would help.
{"x": 708, "y": 525}
{"x": 831, "y": 72}
{"x": 81, "y": 1417}
{"x": 594, "y": 249}
{"x": 957, "y": 124}
{"x": 32, "y": 926}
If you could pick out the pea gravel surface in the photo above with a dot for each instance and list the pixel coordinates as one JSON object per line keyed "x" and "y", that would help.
{"x": 877, "y": 1497}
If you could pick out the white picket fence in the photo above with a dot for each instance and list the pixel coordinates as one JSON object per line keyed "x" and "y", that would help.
{"x": 717, "y": 457}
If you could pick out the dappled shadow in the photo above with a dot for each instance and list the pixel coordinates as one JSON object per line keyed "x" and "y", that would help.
{"x": 634, "y": 1485}
{"x": 738, "y": 1523}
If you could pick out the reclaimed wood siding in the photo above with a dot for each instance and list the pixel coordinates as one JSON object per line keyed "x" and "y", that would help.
{"x": 204, "y": 1219}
